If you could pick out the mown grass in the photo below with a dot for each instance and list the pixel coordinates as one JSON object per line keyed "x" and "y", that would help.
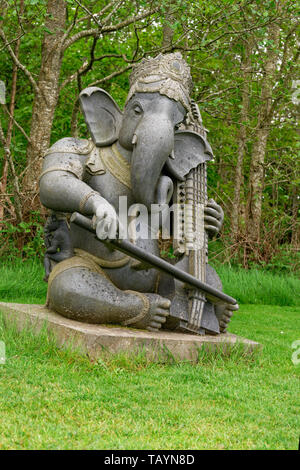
{"x": 58, "y": 399}
{"x": 22, "y": 282}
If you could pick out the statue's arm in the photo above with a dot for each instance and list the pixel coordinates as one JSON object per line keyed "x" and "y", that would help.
{"x": 61, "y": 184}
{"x": 62, "y": 188}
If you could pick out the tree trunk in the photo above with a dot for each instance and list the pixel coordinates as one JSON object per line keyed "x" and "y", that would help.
{"x": 256, "y": 178}
{"x": 3, "y": 182}
{"x": 9, "y": 159}
{"x": 46, "y": 100}
{"x": 295, "y": 220}
{"x": 242, "y": 139}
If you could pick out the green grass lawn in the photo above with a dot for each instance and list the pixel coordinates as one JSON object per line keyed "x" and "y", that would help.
{"x": 53, "y": 399}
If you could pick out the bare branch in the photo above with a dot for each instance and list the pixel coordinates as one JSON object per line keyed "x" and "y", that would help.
{"x": 80, "y": 35}
{"x": 86, "y": 66}
{"x": 108, "y": 29}
{"x": 108, "y": 17}
{"x": 16, "y": 123}
{"x": 123, "y": 24}
{"x": 112, "y": 75}
{"x": 71, "y": 26}
{"x": 212, "y": 95}
{"x": 12, "y": 41}
{"x": 18, "y": 63}
{"x": 137, "y": 43}
{"x": 73, "y": 77}
{"x": 100, "y": 13}
{"x": 20, "y": 13}
{"x": 90, "y": 14}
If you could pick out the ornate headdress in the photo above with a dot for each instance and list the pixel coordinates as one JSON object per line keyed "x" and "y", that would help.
{"x": 167, "y": 74}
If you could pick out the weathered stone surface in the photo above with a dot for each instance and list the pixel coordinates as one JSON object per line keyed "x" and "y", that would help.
{"x": 94, "y": 339}
{"x": 153, "y": 154}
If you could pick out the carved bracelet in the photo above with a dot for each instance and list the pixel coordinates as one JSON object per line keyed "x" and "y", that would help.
{"x": 144, "y": 311}
{"x": 85, "y": 199}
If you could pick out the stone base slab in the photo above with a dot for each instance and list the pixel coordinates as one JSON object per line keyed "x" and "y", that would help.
{"x": 95, "y": 340}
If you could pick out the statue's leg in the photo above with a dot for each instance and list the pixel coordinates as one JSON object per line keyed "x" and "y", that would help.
{"x": 86, "y": 295}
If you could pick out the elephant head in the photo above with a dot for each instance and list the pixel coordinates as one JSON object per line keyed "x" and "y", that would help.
{"x": 148, "y": 131}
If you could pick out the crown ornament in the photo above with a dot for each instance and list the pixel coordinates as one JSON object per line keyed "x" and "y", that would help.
{"x": 167, "y": 74}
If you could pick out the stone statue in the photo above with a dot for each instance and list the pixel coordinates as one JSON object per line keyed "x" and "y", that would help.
{"x": 155, "y": 152}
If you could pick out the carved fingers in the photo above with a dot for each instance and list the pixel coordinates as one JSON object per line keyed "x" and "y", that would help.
{"x": 213, "y": 217}
{"x": 106, "y": 221}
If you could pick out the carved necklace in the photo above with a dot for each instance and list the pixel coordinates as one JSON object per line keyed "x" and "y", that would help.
{"x": 116, "y": 164}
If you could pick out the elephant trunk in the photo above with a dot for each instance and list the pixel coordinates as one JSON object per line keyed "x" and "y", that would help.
{"x": 153, "y": 142}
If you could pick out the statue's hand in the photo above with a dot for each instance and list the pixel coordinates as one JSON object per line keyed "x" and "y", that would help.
{"x": 213, "y": 217}
{"x": 106, "y": 220}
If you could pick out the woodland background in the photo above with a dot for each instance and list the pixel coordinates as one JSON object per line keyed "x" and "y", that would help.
{"x": 244, "y": 58}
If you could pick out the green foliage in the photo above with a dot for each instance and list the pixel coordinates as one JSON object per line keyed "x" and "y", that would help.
{"x": 25, "y": 240}
{"x": 214, "y": 48}
{"x": 284, "y": 260}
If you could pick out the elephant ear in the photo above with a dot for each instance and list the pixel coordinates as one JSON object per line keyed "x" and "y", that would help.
{"x": 190, "y": 149}
{"x": 102, "y": 115}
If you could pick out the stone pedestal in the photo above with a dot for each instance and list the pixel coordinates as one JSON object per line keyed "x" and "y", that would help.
{"x": 94, "y": 340}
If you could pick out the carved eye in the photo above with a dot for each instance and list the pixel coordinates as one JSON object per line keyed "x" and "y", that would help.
{"x": 137, "y": 109}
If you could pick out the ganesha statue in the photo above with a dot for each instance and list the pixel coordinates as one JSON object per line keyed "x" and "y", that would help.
{"x": 152, "y": 156}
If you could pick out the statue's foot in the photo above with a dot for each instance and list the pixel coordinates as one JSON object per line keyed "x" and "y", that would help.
{"x": 226, "y": 316}
{"x": 156, "y": 311}
{"x": 159, "y": 311}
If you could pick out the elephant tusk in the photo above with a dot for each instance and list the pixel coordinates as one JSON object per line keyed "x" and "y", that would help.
{"x": 172, "y": 155}
{"x": 134, "y": 139}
